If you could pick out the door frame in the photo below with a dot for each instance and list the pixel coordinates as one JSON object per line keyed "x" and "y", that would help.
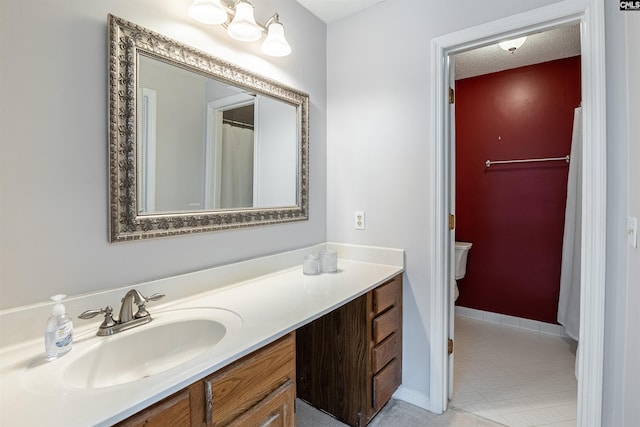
{"x": 148, "y": 131}
{"x": 590, "y": 15}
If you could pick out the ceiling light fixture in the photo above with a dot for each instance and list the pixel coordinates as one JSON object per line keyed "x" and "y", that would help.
{"x": 512, "y": 45}
{"x": 242, "y": 25}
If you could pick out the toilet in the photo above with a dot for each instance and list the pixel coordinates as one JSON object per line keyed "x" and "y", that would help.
{"x": 462, "y": 251}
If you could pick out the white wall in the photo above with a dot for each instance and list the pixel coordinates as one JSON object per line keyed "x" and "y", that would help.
{"x": 178, "y": 174}
{"x": 621, "y": 382}
{"x": 53, "y": 163}
{"x": 378, "y": 136}
{"x": 277, "y": 153}
{"x": 631, "y": 375}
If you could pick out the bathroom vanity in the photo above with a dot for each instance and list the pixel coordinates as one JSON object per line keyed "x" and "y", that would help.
{"x": 258, "y": 389}
{"x": 347, "y": 363}
{"x": 273, "y": 316}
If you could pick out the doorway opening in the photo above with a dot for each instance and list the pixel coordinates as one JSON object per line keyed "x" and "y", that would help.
{"x": 589, "y": 14}
{"x": 514, "y": 129}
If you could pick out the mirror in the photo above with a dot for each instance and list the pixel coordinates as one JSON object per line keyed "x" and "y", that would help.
{"x": 198, "y": 144}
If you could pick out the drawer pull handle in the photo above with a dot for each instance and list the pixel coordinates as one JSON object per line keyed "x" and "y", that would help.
{"x": 208, "y": 392}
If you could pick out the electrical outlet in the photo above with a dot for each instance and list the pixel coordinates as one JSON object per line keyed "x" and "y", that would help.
{"x": 359, "y": 220}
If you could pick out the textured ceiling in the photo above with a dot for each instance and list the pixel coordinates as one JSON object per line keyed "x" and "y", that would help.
{"x": 562, "y": 42}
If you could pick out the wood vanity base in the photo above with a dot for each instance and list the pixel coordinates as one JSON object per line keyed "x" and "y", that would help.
{"x": 349, "y": 362}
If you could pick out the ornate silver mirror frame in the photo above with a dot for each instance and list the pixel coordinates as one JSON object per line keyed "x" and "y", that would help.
{"x": 126, "y": 41}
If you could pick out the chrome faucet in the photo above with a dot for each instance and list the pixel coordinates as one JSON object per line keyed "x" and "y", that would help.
{"x": 126, "y": 310}
{"x": 127, "y": 319}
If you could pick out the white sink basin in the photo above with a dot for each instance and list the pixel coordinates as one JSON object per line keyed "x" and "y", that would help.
{"x": 172, "y": 339}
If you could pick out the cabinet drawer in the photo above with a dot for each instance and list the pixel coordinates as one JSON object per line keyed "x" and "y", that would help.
{"x": 384, "y": 352}
{"x": 172, "y": 411}
{"x": 385, "y": 324}
{"x": 387, "y": 295}
{"x": 385, "y": 383}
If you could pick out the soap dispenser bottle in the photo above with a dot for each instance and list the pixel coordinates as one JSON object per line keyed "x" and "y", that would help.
{"x": 58, "y": 335}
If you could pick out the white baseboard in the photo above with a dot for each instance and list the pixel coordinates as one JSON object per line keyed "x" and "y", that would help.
{"x": 412, "y": 396}
{"x": 514, "y": 322}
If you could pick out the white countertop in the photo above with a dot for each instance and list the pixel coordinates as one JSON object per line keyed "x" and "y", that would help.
{"x": 33, "y": 392}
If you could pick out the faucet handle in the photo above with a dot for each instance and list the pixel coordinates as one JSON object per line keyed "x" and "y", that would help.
{"x": 142, "y": 309}
{"x": 89, "y": 314}
{"x": 108, "y": 321}
{"x": 155, "y": 297}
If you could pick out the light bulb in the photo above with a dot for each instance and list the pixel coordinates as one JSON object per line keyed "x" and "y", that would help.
{"x": 208, "y": 11}
{"x": 275, "y": 44}
{"x": 243, "y": 26}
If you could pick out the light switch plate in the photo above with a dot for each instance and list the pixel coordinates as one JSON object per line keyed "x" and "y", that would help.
{"x": 632, "y": 231}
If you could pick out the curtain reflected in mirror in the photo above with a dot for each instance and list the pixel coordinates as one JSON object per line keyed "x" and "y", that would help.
{"x": 237, "y": 165}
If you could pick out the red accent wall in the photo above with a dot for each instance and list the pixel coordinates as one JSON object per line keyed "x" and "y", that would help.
{"x": 514, "y": 214}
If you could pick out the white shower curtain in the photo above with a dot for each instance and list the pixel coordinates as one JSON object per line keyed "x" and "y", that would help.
{"x": 237, "y": 167}
{"x": 569, "y": 302}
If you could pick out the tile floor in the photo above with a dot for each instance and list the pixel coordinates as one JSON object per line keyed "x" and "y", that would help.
{"x": 514, "y": 376}
{"x": 396, "y": 413}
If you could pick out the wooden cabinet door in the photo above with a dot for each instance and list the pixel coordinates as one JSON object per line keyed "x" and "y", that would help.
{"x": 275, "y": 410}
{"x": 333, "y": 361}
{"x": 225, "y": 396}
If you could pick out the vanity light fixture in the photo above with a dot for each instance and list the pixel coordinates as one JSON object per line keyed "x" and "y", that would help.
{"x": 275, "y": 44}
{"x": 243, "y": 25}
{"x": 512, "y": 45}
{"x": 208, "y": 12}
